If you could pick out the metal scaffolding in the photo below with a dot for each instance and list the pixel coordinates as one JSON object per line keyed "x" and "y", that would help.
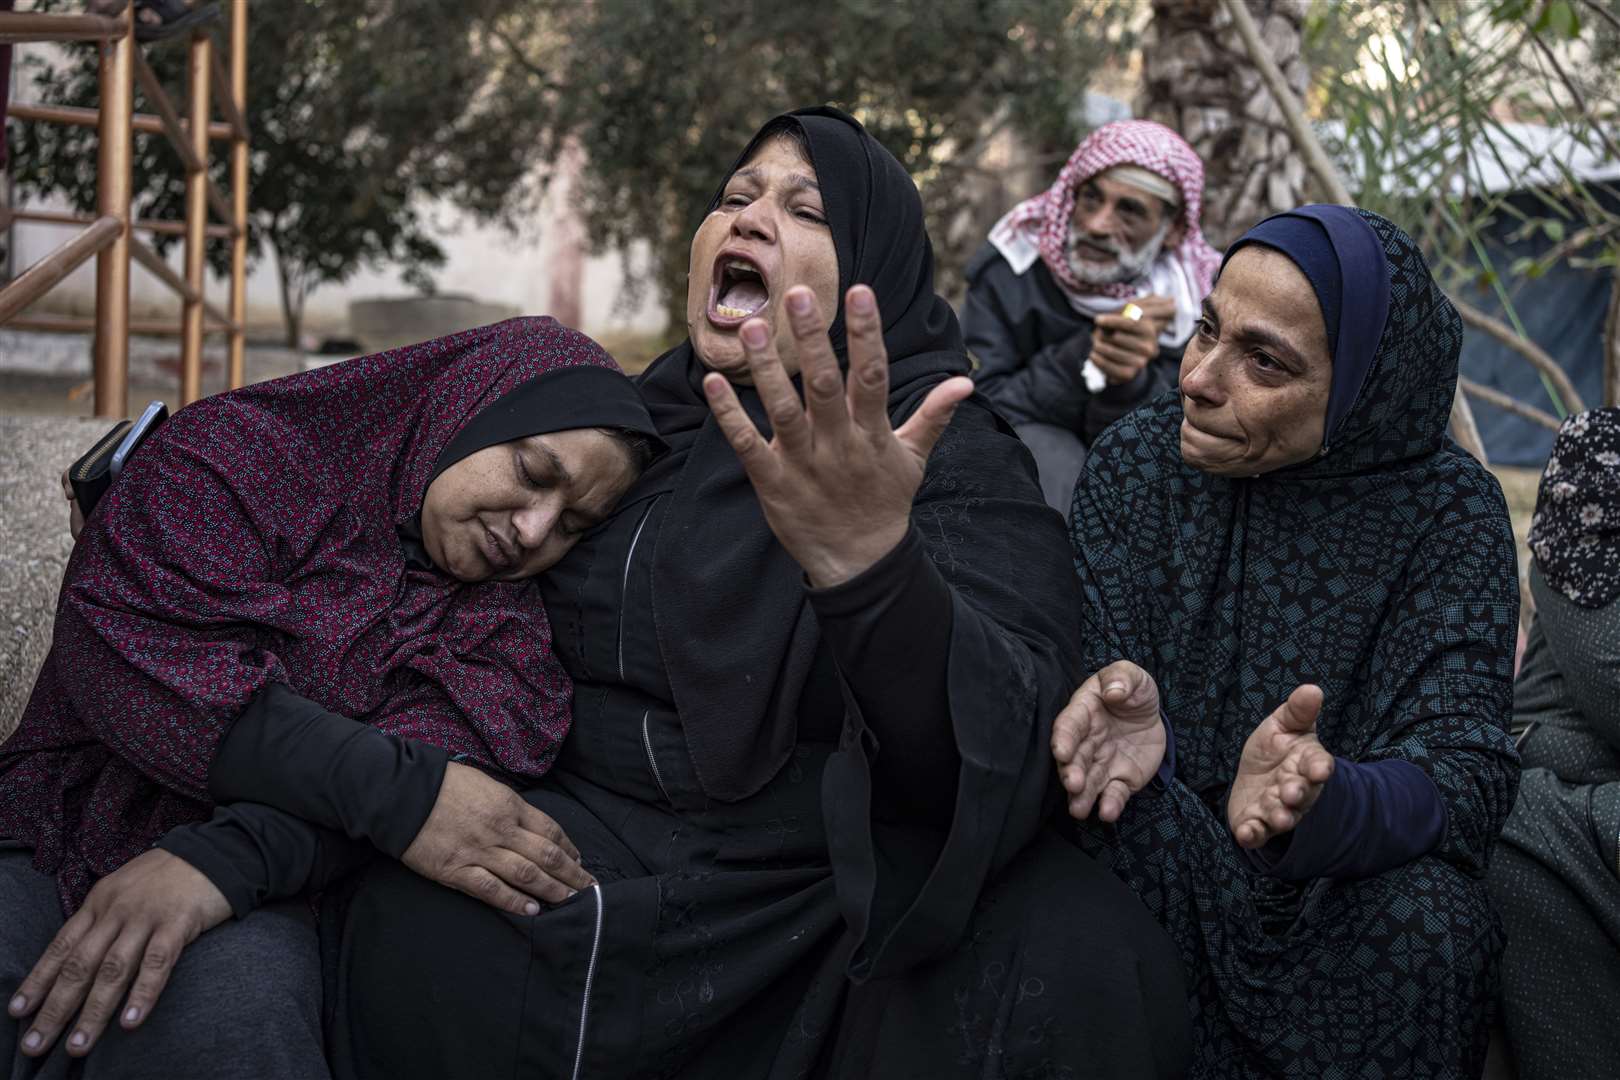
{"x": 109, "y": 234}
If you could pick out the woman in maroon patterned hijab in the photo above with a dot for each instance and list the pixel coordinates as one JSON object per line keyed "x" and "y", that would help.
{"x": 358, "y": 540}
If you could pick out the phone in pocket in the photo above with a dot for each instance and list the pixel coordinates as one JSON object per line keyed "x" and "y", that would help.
{"x": 154, "y": 414}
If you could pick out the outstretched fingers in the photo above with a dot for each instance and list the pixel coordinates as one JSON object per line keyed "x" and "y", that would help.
{"x": 758, "y": 460}
{"x": 868, "y": 361}
{"x": 818, "y": 365}
{"x": 789, "y": 424}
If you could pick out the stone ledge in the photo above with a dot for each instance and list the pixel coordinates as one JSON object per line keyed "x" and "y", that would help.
{"x": 34, "y": 543}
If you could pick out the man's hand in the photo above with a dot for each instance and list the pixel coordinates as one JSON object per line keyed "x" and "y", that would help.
{"x": 1109, "y": 740}
{"x": 1281, "y": 773}
{"x": 132, "y": 926}
{"x": 484, "y": 840}
{"x": 1122, "y": 347}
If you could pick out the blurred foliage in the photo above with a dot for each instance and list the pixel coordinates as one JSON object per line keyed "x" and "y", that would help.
{"x": 358, "y": 111}
{"x": 1438, "y": 112}
{"x": 663, "y": 96}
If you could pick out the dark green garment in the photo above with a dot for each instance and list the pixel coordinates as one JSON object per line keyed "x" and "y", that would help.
{"x": 1556, "y": 874}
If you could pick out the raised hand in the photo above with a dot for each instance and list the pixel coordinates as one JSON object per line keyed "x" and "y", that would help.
{"x": 484, "y": 840}
{"x": 1281, "y": 773}
{"x": 132, "y": 928}
{"x": 836, "y": 479}
{"x": 1109, "y": 740}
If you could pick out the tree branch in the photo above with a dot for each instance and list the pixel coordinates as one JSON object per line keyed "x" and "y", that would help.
{"x": 1575, "y": 92}
{"x": 1597, "y": 6}
{"x": 1538, "y": 357}
{"x": 1511, "y": 404}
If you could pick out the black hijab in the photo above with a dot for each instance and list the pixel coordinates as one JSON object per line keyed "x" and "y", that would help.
{"x": 734, "y": 626}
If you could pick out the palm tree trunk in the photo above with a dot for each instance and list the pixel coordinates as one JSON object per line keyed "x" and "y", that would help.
{"x": 1198, "y": 79}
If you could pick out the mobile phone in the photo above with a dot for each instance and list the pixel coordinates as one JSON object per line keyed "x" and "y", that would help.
{"x": 154, "y": 414}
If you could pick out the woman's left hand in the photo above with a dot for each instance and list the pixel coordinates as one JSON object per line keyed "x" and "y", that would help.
{"x": 837, "y": 479}
{"x": 132, "y": 926}
{"x": 1281, "y": 772}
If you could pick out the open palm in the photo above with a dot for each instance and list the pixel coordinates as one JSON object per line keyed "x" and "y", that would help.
{"x": 1109, "y": 740}
{"x": 1281, "y": 773}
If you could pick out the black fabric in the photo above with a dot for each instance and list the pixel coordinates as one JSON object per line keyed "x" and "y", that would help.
{"x": 889, "y": 628}
{"x": 1030, "y": 346}
{"x": 741, "y": 611}
{"x": 581, "y": 397}
{"x": 1554, "y": 873}
{"x": 288, "y": 752}
{"x": 256, "y": 854}
{"x": 730, "y": 932}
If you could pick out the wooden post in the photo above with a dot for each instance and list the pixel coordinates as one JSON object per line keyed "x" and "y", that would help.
{"x": 113, "y": 186}
{"x": 237, "y": 366}
{"x": 191, "y": 322}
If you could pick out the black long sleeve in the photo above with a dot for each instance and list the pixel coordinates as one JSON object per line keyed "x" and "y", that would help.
{"x": 890, "y": 632}
{"x": 255, "y": 854}
{"x": 288, "y": 752}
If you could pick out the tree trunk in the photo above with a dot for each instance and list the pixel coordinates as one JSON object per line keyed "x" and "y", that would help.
{"x": 1198, "y": 79}
{"x": 292, "y": 300}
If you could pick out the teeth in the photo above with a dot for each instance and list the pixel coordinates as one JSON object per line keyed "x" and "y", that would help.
{"x": 738, "y": 264}
{"x": 730, "y": 312}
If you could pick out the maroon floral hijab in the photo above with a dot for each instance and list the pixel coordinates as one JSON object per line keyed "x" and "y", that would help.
{"x": 257, "y": 538}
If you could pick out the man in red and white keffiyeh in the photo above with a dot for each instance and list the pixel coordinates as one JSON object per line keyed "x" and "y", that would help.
{"x": 1080, "y": 303}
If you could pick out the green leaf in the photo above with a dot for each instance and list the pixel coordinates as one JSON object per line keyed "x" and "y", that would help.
{"x": 1559, "y": 17}
{"x": 1510, "y": 11}
{"x": 1554, "y": 230}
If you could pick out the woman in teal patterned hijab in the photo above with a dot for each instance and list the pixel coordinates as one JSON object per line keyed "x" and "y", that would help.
{"x": 1295, "y": 563}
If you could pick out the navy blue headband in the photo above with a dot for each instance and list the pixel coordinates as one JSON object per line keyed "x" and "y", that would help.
{"x": 1340, "y": 254}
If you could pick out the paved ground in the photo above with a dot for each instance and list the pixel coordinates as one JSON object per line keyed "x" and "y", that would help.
{"x": 34, "y": 543}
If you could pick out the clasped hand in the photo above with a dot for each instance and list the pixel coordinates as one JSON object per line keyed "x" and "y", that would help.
{"x": 837, "y": 478}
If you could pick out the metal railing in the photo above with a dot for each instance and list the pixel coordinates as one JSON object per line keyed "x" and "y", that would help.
{"x": 109, "y": 233}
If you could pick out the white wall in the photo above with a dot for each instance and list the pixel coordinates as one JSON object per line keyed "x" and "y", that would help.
{"x": 489, "y": 264}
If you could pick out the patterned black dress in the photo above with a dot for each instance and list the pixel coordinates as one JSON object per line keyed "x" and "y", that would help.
{"x": 1382, "y": 571}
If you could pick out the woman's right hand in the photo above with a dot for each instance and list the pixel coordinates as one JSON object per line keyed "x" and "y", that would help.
{"x": 484, "y": 840}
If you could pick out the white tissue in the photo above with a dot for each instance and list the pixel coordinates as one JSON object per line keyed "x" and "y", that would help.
{"x": 1095, "y": 379}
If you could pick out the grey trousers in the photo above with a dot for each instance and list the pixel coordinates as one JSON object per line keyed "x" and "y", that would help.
{"x": 1059, "y": 453}
{"x": 244, "y": 1001}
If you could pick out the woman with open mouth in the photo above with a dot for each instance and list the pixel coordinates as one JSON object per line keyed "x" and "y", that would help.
{"x": 816, "y": 650}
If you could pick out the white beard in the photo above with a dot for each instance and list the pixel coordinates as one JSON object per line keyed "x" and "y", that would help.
{"x": 1128, "y": 264}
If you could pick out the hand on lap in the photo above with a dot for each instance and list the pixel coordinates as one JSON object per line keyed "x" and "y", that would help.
{"x": 1109, "y": 740}
{"x": 132, "y": 927}
{"x": 484, "y": 840}
{"x": 836, "y": 479}
{"x": 1281, "y": 773}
